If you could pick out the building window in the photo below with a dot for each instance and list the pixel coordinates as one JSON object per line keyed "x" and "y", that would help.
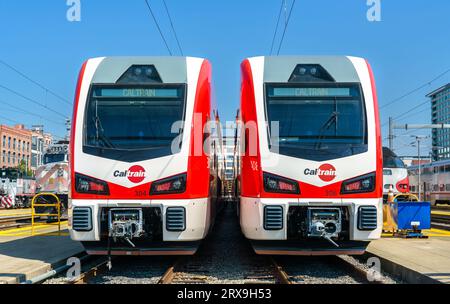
{"x": 34, "y": 160}
{"x": 4, "y": 157}
{"x": 9, "y": 158}
{"x": 4, "y": 141}
{"x": 9, "y": 142}
{"x": 14, "y": 144}
{"x": 14, "y": 158}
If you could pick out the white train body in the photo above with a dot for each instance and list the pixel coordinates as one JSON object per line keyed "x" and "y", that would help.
{"x": 313, "y": 183}
{"x": 139, "y": 175}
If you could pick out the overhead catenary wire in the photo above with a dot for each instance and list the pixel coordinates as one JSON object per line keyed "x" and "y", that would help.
{"x": 32, "y": 100}
{"x": 428, "y": 83}
{"x": 30, "y": 113}
{"x": 276, "y": 27}
{"x": 35, "y": 82}
{"x": 9, "y": 119}
{"x": 173, "y": 28}
{"x": 285, "y": 27}
{"x": 157, "y": 25}
{"x": 407, "y": 112}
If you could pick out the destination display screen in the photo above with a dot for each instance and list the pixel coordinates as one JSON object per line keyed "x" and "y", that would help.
{"x": 134, "y": 92}
{"x": 309, "y": 92}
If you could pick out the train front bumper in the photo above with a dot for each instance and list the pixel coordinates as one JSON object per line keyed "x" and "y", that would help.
{"x": 252, "y": 217}
{"x": 197, "y": 217}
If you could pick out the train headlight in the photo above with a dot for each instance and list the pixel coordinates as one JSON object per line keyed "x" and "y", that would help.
{"x": 361, "y": 184}
{"x": 89, "y": 185}
{"x": 278, "y": 184}
{"x": 171, "y": 185}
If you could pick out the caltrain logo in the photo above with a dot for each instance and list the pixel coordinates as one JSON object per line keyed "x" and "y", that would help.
{"x": 135, "y": 174}
{"x": 326, "y": 172}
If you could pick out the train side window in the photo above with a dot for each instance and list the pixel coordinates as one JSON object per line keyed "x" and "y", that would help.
{"x": 447, "y": 187}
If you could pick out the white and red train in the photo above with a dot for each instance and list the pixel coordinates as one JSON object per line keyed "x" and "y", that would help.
{"x": 395, "y": 174}
{"x": 311, "y": 170}
{"x": 143, "y": 156}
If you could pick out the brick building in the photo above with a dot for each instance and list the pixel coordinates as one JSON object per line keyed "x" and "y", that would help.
{"x": 15, "y": 146}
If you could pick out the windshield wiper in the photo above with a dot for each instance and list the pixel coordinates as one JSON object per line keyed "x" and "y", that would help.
{"x": 100, "y": 133}
{"x": 325, "y": 127}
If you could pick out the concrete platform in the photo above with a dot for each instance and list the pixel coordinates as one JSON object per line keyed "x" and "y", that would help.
{"x": 23, "y": 257}
{"x": 415, "y": 260}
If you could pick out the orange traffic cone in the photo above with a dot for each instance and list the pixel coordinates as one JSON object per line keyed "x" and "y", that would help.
{"x": 389, "y": 224}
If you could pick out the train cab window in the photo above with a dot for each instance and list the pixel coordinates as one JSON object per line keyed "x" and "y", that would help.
{"x": 391, "y": 160}
{"x": 54, "y": 158}
{"x": 133, "y": 123}
{"x": 316, "y": 122}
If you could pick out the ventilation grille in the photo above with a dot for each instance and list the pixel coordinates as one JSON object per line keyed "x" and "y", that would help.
{"x": 367, "y": 218}
{"x": 82, "y": 219}
{"x": 175, "y": 219}
{"x": 273, "y": 218}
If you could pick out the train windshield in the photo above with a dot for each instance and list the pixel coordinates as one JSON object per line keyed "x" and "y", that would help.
{"x": 133, "y": 119}
{"x": 391, "y": 160}
{"x": 54, "y": 158}
{"x": 316, "y": 122}
{"x": 9, "y": 173}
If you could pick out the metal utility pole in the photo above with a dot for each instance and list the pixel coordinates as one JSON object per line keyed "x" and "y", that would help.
{"x": 418, "y": 140}
{"x": 391, "y": 134}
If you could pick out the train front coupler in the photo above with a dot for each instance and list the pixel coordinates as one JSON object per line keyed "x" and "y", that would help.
{"x": 125, "y": 224}
{"x": 324, "y": 223}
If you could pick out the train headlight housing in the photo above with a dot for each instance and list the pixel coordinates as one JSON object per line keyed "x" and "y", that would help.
{"x": 171, "y": 185}
{"x": 403, "y": 185}
{"x": 90, "y": 185}
{"x": 362, "y": 184}
{"x": 278, "y": 184}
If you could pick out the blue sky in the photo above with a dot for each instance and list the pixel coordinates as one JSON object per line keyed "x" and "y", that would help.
{"x": 408, "y": 48}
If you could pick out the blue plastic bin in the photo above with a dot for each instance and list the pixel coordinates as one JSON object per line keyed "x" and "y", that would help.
{"x": 414, "y": 212}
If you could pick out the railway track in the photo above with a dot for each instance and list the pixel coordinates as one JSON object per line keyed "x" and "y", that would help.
{"x": 440, "y": 217}
{"x": 276, "y": 272}
{"x": 13, "y": 222}
{"x": 226, "y": 257}
{"x": 440, "y": 208}
{"x": 9, "y": 222}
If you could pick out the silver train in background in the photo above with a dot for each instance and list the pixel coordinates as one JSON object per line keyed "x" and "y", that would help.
{"x": 434, "y": 181}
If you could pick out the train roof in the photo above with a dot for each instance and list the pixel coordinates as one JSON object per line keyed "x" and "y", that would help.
{"x": 333, "y": 68}
{"x": 432, "y": 164}
{"x": 388, "y": 152}
{"x": 170, "y": 69}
